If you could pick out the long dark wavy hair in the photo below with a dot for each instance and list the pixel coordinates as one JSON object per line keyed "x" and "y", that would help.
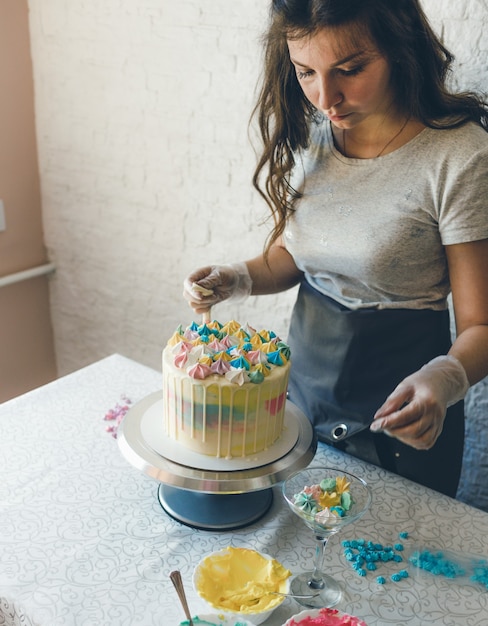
{"x": 420, "y": 66}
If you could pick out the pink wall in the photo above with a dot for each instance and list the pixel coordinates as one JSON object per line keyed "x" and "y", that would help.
{"x": 26, "y": 342}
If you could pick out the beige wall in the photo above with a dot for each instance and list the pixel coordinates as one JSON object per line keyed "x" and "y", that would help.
{"x": 26, "y": 343}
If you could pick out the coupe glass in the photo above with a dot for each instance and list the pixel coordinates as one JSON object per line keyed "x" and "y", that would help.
{"x": 327, "y": 589}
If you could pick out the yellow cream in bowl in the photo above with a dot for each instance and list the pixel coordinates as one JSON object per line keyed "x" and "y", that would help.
{"x": 239, "y": 580}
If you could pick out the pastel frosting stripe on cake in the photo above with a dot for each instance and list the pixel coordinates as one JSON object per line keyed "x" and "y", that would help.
{"x": 224, "y": 388}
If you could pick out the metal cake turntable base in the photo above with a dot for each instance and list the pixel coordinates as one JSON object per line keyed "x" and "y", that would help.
{"x": 234, "y": 492}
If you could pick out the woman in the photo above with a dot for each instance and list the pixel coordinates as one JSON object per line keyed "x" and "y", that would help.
{"x": 376, "y": 176}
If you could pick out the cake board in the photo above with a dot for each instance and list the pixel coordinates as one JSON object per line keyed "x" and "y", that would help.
{"x": 233, "y": 494}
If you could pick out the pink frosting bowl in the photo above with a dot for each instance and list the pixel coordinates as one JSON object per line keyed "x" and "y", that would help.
{"x": 324, "y": 617}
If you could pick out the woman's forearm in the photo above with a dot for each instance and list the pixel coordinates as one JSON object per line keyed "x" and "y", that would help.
{"x": 471, "y": 349}
{"x": 276, "y": 273}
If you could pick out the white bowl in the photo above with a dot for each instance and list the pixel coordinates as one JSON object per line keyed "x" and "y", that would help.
{"x": 236, "y": 559}
{"x": 219, "y": 620}
{"x": 330, "y": 613}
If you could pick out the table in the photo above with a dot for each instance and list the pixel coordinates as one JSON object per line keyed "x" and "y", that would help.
{"x": 85, "y": 542}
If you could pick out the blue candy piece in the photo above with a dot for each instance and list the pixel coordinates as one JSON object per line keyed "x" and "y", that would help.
{"x": 339, "y": 510}
{"x": 480, "y": 572}
{"x": 436, "y": 564}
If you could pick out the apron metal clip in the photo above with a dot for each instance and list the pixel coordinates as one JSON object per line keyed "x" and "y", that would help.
{"x": 339, "y": 432}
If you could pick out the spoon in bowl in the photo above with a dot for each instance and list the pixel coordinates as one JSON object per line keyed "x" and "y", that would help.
{"x": 180, "y": 590}
{"x": 294, "y": 595}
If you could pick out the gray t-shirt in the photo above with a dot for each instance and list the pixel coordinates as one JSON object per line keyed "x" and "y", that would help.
{"x": 370, "y": 233}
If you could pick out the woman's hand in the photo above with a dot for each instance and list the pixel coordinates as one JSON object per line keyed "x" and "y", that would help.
{"x": 210, "y": 285}
{"x": 414, "y": 413}
{"x": 259, "y": 276}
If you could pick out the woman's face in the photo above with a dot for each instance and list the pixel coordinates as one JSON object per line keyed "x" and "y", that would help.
{"x": 352, "y": 86}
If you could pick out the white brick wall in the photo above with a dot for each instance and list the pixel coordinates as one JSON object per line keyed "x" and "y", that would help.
{"x": 142, "y": 110}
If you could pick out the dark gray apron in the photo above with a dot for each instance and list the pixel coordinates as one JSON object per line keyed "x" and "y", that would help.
{"x": 346, "y": 362}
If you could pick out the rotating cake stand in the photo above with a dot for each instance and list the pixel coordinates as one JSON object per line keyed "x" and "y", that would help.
{"x": 208, "y": 493}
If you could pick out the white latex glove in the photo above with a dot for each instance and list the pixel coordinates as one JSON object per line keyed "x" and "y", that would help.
{"x": 414, "y": 413}
{"x": 210, "y": 285}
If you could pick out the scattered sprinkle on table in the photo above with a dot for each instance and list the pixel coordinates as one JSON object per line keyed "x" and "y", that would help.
{"x": 367, "y": 556}
{"x": 116, "y": 415}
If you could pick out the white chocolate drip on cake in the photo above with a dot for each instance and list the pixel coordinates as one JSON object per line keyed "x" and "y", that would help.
{"x": 256, "y": 431}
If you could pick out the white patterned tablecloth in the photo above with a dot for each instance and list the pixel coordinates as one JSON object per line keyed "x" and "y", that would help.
{"x": 85, "y": 542}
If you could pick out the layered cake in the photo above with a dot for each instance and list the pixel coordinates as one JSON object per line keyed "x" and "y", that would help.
{"x": 224, "y": 388}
